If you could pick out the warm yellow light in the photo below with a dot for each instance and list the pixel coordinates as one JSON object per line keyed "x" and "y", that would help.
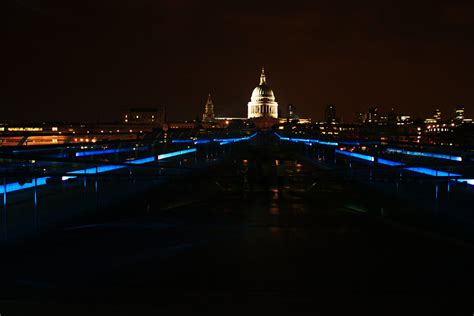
{"x": 25, "y": 129}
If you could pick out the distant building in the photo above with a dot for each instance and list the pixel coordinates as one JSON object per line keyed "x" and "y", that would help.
{"x": 392, "y": 117}
{"x": 292, "y": 112}
{"x": 359, "y": 117}
{"x": 330, "y": 114}
{"x": 153, "y": 116}
{"x": 262, "y": 102}
{"x": 437, "y": 115}
{"x": 435, "y": 119}
{"x": 373, "y": 115}
{"x": 208, "y": 115}
{"x": 459, "y": 114}
{"x": 404, "y": 119}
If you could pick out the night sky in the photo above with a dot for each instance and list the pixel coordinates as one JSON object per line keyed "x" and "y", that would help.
{"x": 89, "y": 60}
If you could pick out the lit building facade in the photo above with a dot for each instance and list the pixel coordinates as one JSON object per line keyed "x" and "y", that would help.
{"x": 330, "y": 114}
{"x": 208, "y": 115}
{"x": 459, "y": 114}
{"x": 154, "y": 116}
{"x": 262, "y": 102}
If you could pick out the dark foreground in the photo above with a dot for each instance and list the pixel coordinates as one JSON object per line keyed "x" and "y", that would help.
{"x": 262, "y": 232}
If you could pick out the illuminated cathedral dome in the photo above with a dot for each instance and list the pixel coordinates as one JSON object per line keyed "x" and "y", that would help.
{"x": 262, "y": 102}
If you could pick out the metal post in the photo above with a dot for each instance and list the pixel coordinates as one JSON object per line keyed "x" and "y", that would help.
{"x": 5, "y": 226}
{"x": 96, "y": 184}
{"x": 36, "y": 205}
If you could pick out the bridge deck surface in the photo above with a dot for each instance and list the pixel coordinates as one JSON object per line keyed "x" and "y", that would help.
{"x": 250, "y": 233}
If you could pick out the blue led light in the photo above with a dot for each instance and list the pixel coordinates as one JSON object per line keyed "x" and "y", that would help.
{"x": 142, "y": 160}
{"x": 108, "y": 151}
{"x": 432, "y": 172}
{"x": 234, "y": 139}
{"x": 389, "y": 162}
{"x": 181, "y": 141}
{"x": 468, "y": 181}
{"x": 65, "y": 178}
{"x": 15, "y": 186}
{"x": 202, "y": 141}
{"x": 95, "y": 170}
{"x": 281, "y": 137}
{"x": 307, "y": 141}
{"x": 225, "y": 141}
{"x": 358, "y": 143}
{"x": 176, "y": 153}
{"x": 328, "y": 143}
{"x": 350, "y": 143}
{"x": 355, "y": 155}
{"x": 423, "y": 154}
{"x": 297, "y": 140}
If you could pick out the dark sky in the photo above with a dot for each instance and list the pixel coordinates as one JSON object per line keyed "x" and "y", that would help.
{"x": 92, "y": 59}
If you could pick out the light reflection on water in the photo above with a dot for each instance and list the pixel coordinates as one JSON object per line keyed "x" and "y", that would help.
{"x": 274, "y": 209}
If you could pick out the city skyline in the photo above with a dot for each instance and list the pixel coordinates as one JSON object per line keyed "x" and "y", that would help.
{"x": 90, "y": 63}
{"x": 192, "y": 156}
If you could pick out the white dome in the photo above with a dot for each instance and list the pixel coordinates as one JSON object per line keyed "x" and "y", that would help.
{"x": 262, "y": 92}
{"x": 262, "y": 102}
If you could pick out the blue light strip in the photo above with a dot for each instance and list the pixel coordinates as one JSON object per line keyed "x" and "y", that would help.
{"x": 233, "y": 140}
{"x": 468, "y": 181}
{"x": 225, "y": 141}
{"x": 221, "y": 141}
{"x": 108, "y": 151}
{"x": 15, "y": 186}
{"x": 95, "y": 170}
{"x": 432, "y": 172}
{"x": 65, "y": 178}
{"x": 423, "y": 154}
{"x": 328, "y": 143}
{"x": 182, "y": 141}
{"x": 142, "y": 160}
{"x": 389, "y": 162}
{"x": 307, "y": 141}
{"x": 358, "y": 143}
{"x": 355, "y": 155}
{"x": 176, "y": 153}
{"x": 202, "y": 141}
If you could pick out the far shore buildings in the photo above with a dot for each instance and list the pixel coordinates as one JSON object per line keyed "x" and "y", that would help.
{"x": 262, "y": 110}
